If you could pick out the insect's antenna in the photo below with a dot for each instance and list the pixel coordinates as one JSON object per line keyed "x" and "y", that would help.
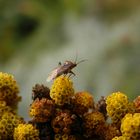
{"x": 76, "y": 57}
{"x": 81, "y": 61}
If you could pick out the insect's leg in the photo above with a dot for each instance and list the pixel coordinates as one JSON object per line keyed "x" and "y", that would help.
{"x": 65, "y": 74}
{"x": 71, "y": 73}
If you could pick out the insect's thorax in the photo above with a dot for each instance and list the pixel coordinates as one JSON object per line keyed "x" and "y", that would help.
{"x": 69, "y": 65}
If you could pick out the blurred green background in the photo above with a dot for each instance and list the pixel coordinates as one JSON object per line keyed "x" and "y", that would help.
{"x": 36, "y": 35}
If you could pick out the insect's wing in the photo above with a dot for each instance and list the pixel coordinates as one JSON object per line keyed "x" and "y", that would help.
{"x": 53, "y": 75}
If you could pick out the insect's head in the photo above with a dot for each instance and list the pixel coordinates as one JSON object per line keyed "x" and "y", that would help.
{"x": 71, "y": 64}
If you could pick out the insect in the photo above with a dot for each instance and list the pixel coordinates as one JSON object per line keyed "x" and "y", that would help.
{"x": 65, "y": 68}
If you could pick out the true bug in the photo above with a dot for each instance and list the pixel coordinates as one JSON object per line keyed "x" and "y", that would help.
{"x": 65, "y": 68}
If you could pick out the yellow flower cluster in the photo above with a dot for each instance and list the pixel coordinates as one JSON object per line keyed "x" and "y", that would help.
{"x": 130, "y": 126}
{"x": 61, "y": 114}
{"x": 117, "y": 106}
{"x": 9, "y": 98}
{"x": 9, "y": 90}
{"x": 7, "y": 124}
{"x": 62, "y": 90}
{"x": 26, "y": 132}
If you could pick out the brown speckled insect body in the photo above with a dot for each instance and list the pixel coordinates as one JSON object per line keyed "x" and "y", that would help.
{"x": 65, "y": 68}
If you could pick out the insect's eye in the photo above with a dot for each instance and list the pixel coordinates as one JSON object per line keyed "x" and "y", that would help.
{"x": 66, "y": 63}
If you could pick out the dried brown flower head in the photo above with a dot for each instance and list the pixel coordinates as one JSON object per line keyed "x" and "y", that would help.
{"x": 40, "y": 91}
{"x": 42, "y": 110}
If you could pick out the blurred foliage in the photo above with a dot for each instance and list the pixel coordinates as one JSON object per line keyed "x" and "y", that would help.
{"x": 121, "y": 64}
{"x": 20, "y": 21}
{"x": 113, "y": 10}
{"x": 24, "y": 22}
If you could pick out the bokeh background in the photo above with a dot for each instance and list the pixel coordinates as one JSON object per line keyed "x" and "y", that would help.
{"x": 37, "y": 34}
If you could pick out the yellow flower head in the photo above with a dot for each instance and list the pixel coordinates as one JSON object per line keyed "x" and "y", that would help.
{"x": 4, "y": 108}
{"x": 117, "y": 106}
{"x": 93, "y": 123}
{"x": 130, "y": 126}
{"x": 26, "y": 131}
{"x": 7, "y": 124}
{"x": 82, "y": 102}
{"x": 62, "y": 90}
{"x": 42, "y": 109}
{"x": 9, "y": 90}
